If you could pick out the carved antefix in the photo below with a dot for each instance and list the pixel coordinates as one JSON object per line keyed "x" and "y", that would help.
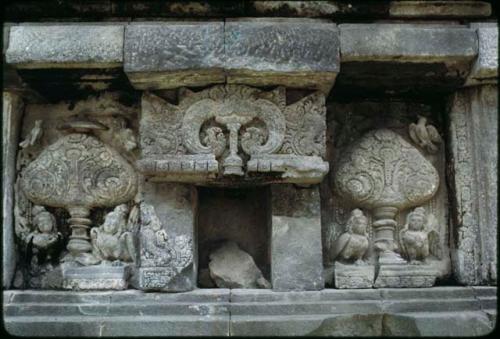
{"x": 233, "y": 131}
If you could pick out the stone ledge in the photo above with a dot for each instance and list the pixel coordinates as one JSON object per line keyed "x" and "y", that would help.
{"x": 485, "y": 68}
{"x": 428, "y": 311}
{"x": 407, "y": 43}
{"x": 84, "y": 45}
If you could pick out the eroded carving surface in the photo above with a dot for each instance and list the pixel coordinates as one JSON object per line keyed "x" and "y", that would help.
{"x": 162, "y": 257}
{"x": 213, "y": 133}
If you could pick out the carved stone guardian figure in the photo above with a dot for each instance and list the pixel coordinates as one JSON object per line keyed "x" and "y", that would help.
{"x": 418, "y": 237}
{"x": 352, "y": 246}
{"x": 352, "y": 268}
{"x": 112, "y": 241}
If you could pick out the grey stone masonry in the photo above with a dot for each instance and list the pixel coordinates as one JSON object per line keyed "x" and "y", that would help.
{"x": 82, "y": 45}
{"x": 11, "y": 120}
{"x": 485, "y": 68}
{"x": 296, "y": 255}
{"x": 440, "y": 311}
{"x": 173, "y": 206}
{"x": 290, "y": 52}
{"x": 473, "y": 135}
{"x": 174, "y": 54}
{"x": 407, "y": 43}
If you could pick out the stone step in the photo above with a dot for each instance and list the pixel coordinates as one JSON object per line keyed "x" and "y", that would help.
{"x": 446, "y": 310}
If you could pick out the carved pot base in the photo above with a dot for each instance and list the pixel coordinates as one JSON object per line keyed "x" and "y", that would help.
{"x": 98, "y": 277}
{"x": 406, "y": 276}
{"x": 353, "y": 276}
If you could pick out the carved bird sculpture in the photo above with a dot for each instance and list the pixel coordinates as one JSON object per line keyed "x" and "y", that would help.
{"x": 34, "y": 135}
{"x": 426, "y": 136}
{"x": 352, "y": 245}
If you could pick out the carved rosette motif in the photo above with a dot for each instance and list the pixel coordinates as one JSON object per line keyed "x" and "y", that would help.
{"x": 386, "y": 174}
{"x": 215, "y": 131}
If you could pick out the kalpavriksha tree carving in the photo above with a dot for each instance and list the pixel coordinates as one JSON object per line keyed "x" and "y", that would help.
{"x": 386, "y": 175}
{"x": 225, "y": 131}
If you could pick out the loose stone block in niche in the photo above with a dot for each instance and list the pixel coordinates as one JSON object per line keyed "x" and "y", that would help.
{"x": 174, "y": 54}
{"x": 402, "y": 275}
{"x": 296, "y": 254}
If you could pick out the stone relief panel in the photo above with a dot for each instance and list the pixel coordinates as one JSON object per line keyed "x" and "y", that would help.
{"x": 75, "y": 172}
{"x": 233, "y": 131}
{"x": 387, "y": 161}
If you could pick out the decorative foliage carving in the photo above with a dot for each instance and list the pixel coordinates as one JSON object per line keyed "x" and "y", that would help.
{"x": 224, "y": 120}
{"x": 382, "y": 169}
{"x": 306, "y": 126}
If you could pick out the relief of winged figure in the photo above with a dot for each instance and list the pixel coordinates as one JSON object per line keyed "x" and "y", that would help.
{"x": 112, "y": 241}
{"x": 425, "y": 135}
{"x": 353, "y": 245}
{"x": 419, "y": 237}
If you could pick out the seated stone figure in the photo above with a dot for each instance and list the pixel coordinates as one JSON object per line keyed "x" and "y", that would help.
{"x": 111, "y": 241}
{"x": 352, "y": 246}
{"x": 418, "y": 238}
{"x": 155, "y": 242}
{"x": 44, "y": 238}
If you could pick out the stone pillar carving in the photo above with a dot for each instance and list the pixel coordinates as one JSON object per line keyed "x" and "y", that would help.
{"x": 296, "y": 250}
{"x": 167, "y": 256}
{"x": 11, "y": 119}
{"x": 473, "y": 134}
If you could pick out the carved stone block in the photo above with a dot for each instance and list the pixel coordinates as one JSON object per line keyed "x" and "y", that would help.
{"x": 298, "y": 53}
{"x": 174, "y": 54}
{"x": 296, "y": 255}
{"x": 485, "y": 68}
{"x": 210, "y": 135}
{"x": 63, "y": 46}
{"x": 473, "y": 114}
{"x": 97, "y": 277}
{"x": 353, "y": 276}
{"x": 403, "y": 275}
{"x": 166, "y": 253}
{"x": 11, "y": 119}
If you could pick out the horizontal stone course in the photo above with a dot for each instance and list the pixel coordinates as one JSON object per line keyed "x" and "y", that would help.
{"x": 430, "y": 311}
{"x": 406, "y": 42}
{"x": 83, "y": 45}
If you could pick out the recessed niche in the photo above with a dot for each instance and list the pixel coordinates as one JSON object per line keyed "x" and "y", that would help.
{"x": 233, "y": 214}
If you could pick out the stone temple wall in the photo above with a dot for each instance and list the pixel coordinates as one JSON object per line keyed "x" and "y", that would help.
{"x": 250, "y": 168}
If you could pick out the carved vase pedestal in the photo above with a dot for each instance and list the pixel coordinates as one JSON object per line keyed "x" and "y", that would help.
{"x": 96, "y": 277}
{"x": 406, "y": 275}
{"x": 353, "y": 276}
